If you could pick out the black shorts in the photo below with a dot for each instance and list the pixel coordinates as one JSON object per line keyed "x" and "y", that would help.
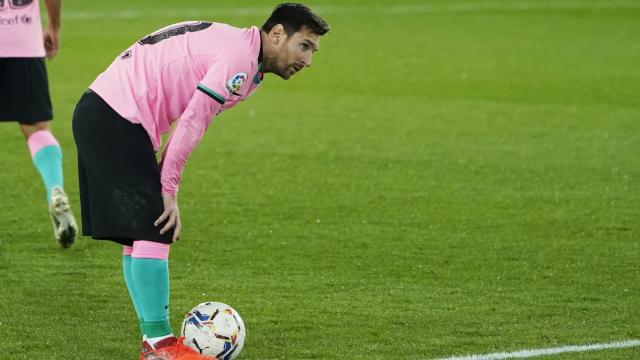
{"x": 24, "y": 90}
{"x": 120, "y": 191}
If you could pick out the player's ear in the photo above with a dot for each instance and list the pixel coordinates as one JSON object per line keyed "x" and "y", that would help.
{"x": 277, "y": 34}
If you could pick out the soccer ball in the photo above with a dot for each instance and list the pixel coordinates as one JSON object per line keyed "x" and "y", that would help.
{"x": 214, "y": 329}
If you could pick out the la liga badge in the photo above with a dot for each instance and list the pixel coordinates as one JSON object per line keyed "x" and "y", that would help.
{"x": 235, "y": 83}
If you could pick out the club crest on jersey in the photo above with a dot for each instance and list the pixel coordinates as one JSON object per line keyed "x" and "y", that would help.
{"x": 235, "y": 83}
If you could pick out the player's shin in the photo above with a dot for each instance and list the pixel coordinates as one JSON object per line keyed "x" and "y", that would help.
{"x": 128, "y": 279}
{"x": 150, "y": 273}
{"x": 47, "y": 158}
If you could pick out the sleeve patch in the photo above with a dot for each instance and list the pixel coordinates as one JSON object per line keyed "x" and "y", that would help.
{"x": 235, "y": 83}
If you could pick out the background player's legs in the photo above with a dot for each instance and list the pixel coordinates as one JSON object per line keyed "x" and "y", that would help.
{"x": 45, "y": 153}
{"x": 150, "y": 274}
{"x": 47, "y": 158}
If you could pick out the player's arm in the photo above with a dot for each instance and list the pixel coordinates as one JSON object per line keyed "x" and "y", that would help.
{"x": 183, "y": 140}
{"x": 51, "y": 33}
{"x": 186, "y": 136}
{"x": 209, "y": 96}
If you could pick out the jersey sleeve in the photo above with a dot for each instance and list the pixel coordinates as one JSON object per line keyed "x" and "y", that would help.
{"x": 224, "y": 79}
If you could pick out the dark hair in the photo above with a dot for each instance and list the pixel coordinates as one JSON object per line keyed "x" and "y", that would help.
{"x": 293, "y": 16}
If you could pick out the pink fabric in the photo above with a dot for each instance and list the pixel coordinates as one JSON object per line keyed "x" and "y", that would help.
{"x": 40, "y": 139}
{"x": 127, "y": 250}
{"x": 159, "y": 80}
{"x": 143, "y": 249}
{"x": 21, "y": 31}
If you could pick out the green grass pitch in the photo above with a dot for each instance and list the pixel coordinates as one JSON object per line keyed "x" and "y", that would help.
{"x": 448, "y": 178}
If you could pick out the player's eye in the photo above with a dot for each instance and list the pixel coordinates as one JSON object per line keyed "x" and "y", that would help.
{"x": 1, "y": 4}
{"x": 304, "y": 46}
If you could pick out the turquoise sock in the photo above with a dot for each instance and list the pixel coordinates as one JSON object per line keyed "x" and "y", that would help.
{"x": 151, "y": 279}
{"x": 48, "y": 161}
{"x": 128, "y": 279}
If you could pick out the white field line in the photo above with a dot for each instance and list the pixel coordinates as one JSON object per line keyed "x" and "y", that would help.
{"x": 213, "y": 11}
{"x": 548, "y": 351}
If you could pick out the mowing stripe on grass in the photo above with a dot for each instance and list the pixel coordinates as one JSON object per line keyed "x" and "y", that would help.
{"x": 548, "y": 351}
{"x": 512, "y": 6}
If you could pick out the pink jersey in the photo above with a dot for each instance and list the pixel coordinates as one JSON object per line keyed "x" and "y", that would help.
{"x": 20, "y": 29}
{"x": 189, "y": 71}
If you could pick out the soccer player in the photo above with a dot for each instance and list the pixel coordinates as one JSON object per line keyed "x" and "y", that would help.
{"x": 24, "y": 97}
{"x": 181, "y": 76}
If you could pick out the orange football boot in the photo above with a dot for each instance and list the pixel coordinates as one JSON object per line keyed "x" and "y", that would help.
{"x": 171, "y": 349}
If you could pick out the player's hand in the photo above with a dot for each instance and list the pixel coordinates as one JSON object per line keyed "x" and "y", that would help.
{"x": 171, "y": 215}
{"x": 51, "y": 37}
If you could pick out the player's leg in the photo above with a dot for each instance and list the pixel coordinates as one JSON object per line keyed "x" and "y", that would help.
{"x": 128, "y": 279}
{"x": 35, "y": 119}
{"x": 47, "y": 158}
{"x": 123, "y": 182}
{"x": 24, "y": 98}
{"x": 150, "y": 273}
{"x": 45, "y": 153}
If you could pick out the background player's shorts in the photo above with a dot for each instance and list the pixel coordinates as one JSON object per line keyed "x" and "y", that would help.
{"x": 24, "y": 90}
{"x": 120, "y": 191}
